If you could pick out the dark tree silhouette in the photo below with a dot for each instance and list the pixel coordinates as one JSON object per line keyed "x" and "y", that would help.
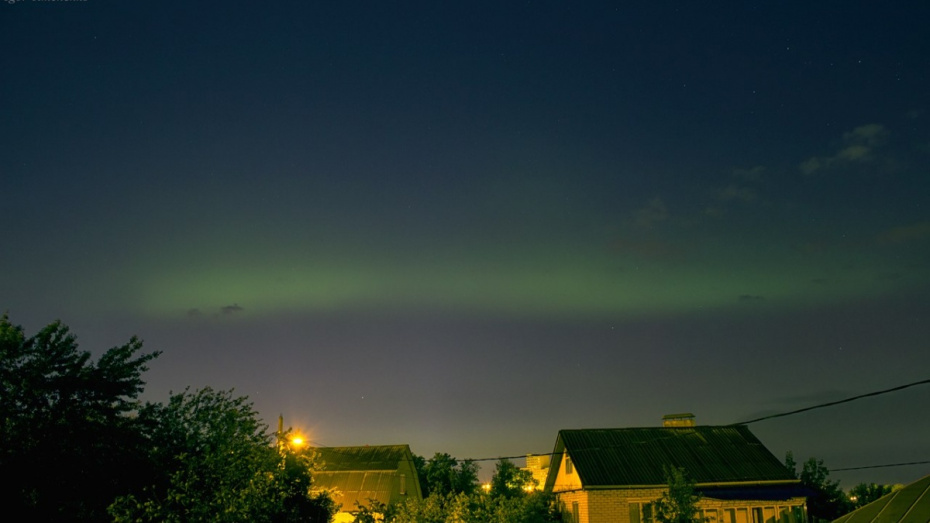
{"x": 67, "y": 437}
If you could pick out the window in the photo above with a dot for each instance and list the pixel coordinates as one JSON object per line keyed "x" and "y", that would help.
{"x": 575, "y": 515}
{"x": 791, "y": 515}
{"x": 569, "y": 469}
{"x": 641, "y": 513}
{"x": 648, "y": 516}
{"x": 710, "y": 516}
{"x": 403, "y": 484}
{"x": 764, "y": 515}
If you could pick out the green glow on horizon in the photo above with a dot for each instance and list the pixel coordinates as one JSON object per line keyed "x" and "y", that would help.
{"x": 570, "y": 284}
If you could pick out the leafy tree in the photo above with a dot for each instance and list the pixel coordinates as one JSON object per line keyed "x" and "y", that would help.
{"x": 865, "y": 493}
{"x": 431, "y": 509}
{"x": 507, "y": 502}
{"x": 678, "y": 504}
{"x": 509, "y": 481}
{"x": 791, "y": 464}
{"x": 216, "y": 462}
{"x": 533, "y": 507}
{"x": 444, "y": 475}
{"x": 67, "y": 437}
{"x": 373, "y": 512}
{"x": 826, "y": 499}
{"x": 419, "y": 464}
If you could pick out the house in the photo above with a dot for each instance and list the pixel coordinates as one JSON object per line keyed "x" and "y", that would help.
{"x": 615, "y": 475}
{"x": 910, "y": 504}
{"x": 358, "y": 475}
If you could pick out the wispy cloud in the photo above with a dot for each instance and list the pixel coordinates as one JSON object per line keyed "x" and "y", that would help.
{"x": 735, "y": 192}
{"x": 858, "y": 146}
{"x": 653, "y": 213}
{"x": 740, "y": 190}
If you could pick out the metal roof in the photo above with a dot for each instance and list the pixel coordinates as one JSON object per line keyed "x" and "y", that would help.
{"x": 359, "y": 474}
{"x": 360, "y": 487}
{"x": 638, "y": 456}
{"x": 380, "y": 457}
{"x": 908, "y": 505}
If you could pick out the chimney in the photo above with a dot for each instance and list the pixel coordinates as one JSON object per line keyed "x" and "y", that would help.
{"x": 685, "y": 419}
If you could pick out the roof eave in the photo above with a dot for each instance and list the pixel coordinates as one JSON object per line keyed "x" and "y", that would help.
{"x": 700, "y": 485}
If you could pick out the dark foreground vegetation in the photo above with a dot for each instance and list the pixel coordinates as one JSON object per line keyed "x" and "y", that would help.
{"x": 76, "y": 444}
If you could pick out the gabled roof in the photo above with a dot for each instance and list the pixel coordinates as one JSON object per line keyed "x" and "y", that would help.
{"x": 359, "y": 474}
{"x": 908, "y": 505}
{"x": 710, "y": 455}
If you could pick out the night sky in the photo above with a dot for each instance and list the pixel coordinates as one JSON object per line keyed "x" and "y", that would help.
{"x": 465, "y": 226}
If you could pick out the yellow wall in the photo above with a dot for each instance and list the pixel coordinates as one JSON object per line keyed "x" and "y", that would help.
{"x": 565, "y": 481}
{"x": 613, "y": 505}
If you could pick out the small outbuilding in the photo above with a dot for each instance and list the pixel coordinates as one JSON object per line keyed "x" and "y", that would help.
{"x": 356, "y": 476}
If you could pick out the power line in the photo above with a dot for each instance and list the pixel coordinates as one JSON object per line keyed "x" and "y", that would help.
{"x": 763, "y": 418}
{"x": 832, "y": 403}
{"x": 882, "y": 466}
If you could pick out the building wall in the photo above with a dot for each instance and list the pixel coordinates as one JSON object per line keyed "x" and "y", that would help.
{"x": 538, "y": 466}
{"x": 567, "y": 477}
{"x": 614, "y": 506}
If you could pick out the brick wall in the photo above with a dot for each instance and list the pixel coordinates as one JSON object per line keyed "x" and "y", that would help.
{"x": 613, "y": 505}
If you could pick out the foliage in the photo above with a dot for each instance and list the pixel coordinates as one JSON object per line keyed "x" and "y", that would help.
{"x": 67, "y": 436}
{"x": 444, "y": 475}
{"x": 533, "y": 507}
{"x": 509, "y": 481}
{"x": 216, "y": 463}
{"x": 507, "y": 502}
{"x": 826, "y": 499}
{"x": 678, "y": 504}
{"x": 374, "y": 512}
{"x": 791, "y": 464}
{"x": 865, "y": 493}
{"x": 434, "y": 508}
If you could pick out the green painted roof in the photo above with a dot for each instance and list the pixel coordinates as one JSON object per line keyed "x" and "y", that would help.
{"x": 908, "y": 505}
{"x": 637, "y": 456}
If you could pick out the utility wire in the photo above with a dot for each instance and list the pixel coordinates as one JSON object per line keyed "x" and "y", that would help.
{"x": 832, "y": 403}
{"x": 882, "y": 466}
{"x": 763, "y": 418}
